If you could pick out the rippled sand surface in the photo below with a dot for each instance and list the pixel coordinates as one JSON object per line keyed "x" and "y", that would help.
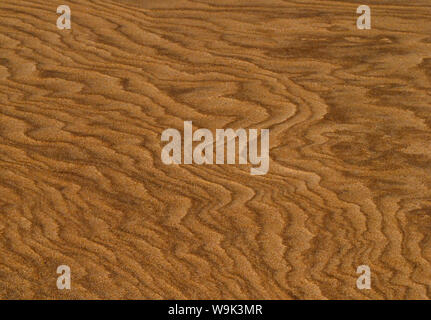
{"x": 82, "y": 182}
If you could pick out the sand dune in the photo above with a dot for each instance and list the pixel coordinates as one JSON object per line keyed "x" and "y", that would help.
{"x": 82, "y": 182}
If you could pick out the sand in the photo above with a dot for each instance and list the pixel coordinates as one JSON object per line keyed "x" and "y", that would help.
{"x": 82, "y": 182}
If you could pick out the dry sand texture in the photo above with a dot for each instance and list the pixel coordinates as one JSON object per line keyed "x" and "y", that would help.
{"x": 81, "y": 177}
